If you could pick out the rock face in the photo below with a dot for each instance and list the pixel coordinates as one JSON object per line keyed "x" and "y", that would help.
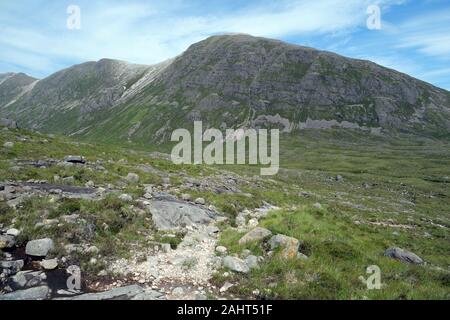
{"x": 289, "y": 246}
{"x": 169, "y": 215}
{"x": 39, "y": 248}
{"x": 256, "y": 234}
{"x": 403, "y": 255}
{"x": 282, "y": 85}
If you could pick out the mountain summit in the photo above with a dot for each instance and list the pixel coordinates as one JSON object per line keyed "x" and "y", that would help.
{"x": 226, "y": 81}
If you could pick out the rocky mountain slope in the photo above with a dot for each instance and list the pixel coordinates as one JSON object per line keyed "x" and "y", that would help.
{"x": 229, "y": 81}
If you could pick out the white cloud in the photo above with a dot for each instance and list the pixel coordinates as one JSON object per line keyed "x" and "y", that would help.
{"x": 150, "y": 32}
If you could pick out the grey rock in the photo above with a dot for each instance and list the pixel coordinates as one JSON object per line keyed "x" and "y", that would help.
{"x": 168, "y": 215}
{"x": 7, "y": 241}
{"x": 235, "y": 264}
{"x": 125, "y": 197}
{"x": 132, "y": 178}
{"x": 403, "y": 255}
{"x": 8, "y": 144}
{"x": 49, "y": 264}
{"x": 132, "y": 292}
{"x": 11, "y": 267}
{"x": 200, "y": 201}
{"x": 75, "y": 159}
{"x": 252, "y": 262}
{"x": 257, "y": 234}
{"x": 36, "y": 293}
{"x": 8, "y": 123}
{"x": 39, "y": 248}
{"x": 221, "y": 250}
{"x": 288, "y": 245}
{"x": 27, "y": 279}
{"x": 13, "y": 232}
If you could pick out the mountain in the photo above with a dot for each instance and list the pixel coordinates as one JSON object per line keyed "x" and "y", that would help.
{"x": 13, "y": 86}
{"x": 227, "y": 81}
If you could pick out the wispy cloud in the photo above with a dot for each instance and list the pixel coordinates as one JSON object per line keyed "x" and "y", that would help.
{"x": 34, "y": 37}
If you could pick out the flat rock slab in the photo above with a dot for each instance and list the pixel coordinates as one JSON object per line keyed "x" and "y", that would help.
{"x": 170, "y": 215}
{"x": 132, "y": 292}
{"x": 37, "y": 293}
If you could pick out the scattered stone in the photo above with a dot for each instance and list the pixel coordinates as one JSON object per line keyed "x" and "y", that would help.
{"x": 103, "y": 273}
{"x": 75, "y": 159}
{"x": 148, "y": 196}
{"x": 317, "y": 205}
{"x": 186, "y": 197}
{"x": 289, "y": 245}
{"x": 339, "y": 178}
{"x": 50, "y": 264}
{"x": 221, "y": 250}
{"x": 8, "y": 144}
{"x": 252, "y": 262}
{"x": 132, "y": 178}
{"x": 7, "y": 241}
{"x": 39, "y": 248}
{"x": 166, "y": 248}
{"x": 89, "y": 184}
{"x": 200, "y": 201}
{"x": 125, "y": 197}
{"x": 403, "y": 255}
{"x": 226, "y": 287}
{"x": 11, "y": 267}
{"x": 235, "y": 264}
{"x": 257, "y": 234}
{"x": 69, "y": 180}
{"x": 245, "y": 253}
{"x": 178, "y": 291}
{"x": 13, "y": 232}
{"x": 92, "y": 250}
{"x": 302, "y": 256}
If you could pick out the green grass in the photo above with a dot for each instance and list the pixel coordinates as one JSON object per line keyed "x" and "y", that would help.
{"x": 389, "y": 183}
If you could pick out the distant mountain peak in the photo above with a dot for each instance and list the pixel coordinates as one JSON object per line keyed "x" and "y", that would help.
{"x": 231, "y": 80}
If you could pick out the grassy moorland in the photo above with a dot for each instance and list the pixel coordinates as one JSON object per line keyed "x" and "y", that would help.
{"x": 389, "y": 193}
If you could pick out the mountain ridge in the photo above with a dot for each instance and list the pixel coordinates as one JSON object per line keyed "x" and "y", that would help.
{"x": 230, "y": 81}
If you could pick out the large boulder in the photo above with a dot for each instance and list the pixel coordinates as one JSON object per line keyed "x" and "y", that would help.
{"x": 169, "y": 215}
{"x": 39, "y": 248}
{"x": 256, "y": 234}
{"x": 403, "y": 255}
{"x": 289, "y": 246}
{"x": 235, "y": 264}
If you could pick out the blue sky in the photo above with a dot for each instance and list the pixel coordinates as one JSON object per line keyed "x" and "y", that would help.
{"x": 414, "y": 37}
